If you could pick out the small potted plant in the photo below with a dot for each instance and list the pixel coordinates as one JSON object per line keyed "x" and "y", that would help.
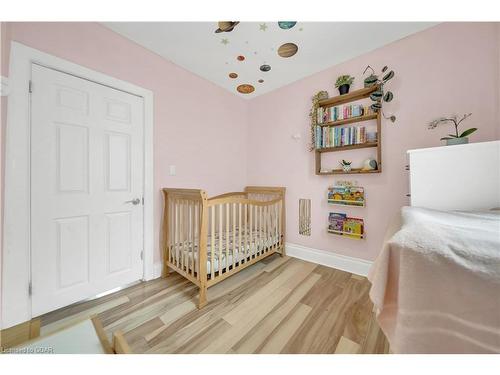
{"x": 343, "y": 83}
{"x": 457, "y": 138}
{"x": 346, "y": 165}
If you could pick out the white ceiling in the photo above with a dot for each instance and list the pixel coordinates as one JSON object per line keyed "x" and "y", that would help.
{"x": 196, "y": 47}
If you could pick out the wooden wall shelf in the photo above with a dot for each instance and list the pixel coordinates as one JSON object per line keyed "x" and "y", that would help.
{"x": 343, "y": 99}
{"x": 352, "y": 171}
{"x": 350, "y": 120}
{"x": 347, "y": 98}
{"x": 347, "y": 234}
{"x": 350, "y": 147}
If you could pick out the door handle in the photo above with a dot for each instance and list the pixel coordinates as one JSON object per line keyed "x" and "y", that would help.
{"x": 135, "y": 201}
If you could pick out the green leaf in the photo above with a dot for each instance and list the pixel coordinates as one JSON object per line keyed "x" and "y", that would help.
{"x": 371, "y": 80}
{"x": 468, "y": 132}
{"x": 376, "y": 106}
{"x": 393, "y": 118}
{"x": 445, "y": 138}
{"x": 388, "y": 76}
{"x": 388, "y": 96}
{"x": 384, "y": 69}
{"x": 376, "y": 95}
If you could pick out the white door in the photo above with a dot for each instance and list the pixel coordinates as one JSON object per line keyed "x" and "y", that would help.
{"x": 86, "y": 189}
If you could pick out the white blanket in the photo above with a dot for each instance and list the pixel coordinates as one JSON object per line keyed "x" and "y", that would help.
{"x": 436, "y": 283}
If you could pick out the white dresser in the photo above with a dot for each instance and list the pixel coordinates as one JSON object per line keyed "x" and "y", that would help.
{"x": 461, "y": 177}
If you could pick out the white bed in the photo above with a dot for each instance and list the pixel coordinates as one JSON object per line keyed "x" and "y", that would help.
{"x": 436, "y": 283}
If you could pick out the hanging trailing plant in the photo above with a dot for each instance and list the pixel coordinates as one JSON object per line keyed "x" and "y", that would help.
{"x": 380, "y": 96}
{"x": 313, "y": 114}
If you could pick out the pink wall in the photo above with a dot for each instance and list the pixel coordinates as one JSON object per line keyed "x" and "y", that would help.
{"x": 450, "y": 68}
{"x": 199, "y": 127}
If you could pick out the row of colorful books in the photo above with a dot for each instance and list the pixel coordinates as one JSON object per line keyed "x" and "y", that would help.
{"x": 337, "y": 113}
{"x": 339, "y": 223}
{"x": 347, "y": 195}
{"x": 327, "y": 136}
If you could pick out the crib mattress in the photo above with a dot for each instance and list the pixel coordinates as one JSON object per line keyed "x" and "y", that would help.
{"x": 255, "y": 244}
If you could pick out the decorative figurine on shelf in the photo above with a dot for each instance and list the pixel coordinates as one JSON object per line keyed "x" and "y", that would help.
{"x": 343, "y": 83}
{"x": 457, "y": 138}
{"x": 346, "y": 165}
{"x": 370, "y": 165}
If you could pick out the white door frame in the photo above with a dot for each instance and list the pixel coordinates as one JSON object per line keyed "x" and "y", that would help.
{"x": 16, "y": 263}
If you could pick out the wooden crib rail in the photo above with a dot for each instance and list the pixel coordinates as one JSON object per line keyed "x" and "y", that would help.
{"x": 231, "y": 194}
{"x": 183, "y": 232}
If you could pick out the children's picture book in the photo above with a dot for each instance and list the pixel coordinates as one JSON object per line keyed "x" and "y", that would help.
{"x": 336, "y": 221}
{"x": 347, "y": 195}
{"x": 353, "y": 227}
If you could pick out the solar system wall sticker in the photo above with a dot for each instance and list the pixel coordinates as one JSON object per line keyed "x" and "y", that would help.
{"x": 226, "y": 26}
{"x": 288, "y": 50}
{"x": 285, "y": 50}
{"x": 245, "y": 89}
{"x": 285, "y": 25}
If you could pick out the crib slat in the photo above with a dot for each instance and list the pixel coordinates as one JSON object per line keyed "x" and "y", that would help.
{"x": 247, "y": 246}
{"x": 190, "y": 267}
{"x": 212, "y": 244}
{"x": 234, "y": 248}
{"x": 227, "y": 236}
{"x": 171, "y": 223}
{"x": 184, "y": 233}
{"x": 177, "y": 234}
{"x": 251, "y": 244}
{"x": 260, "y": 230}
{"x": 276, "y": 211}
{"x": 264, "y": 223}
{"x": 266, "y": 218}
{"x": 221, "y": 215}
{"x": 280, "y": 225}
{"x": 240, "y": 249}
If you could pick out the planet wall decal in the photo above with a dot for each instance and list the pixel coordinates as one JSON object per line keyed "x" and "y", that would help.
{"x": 285, "y": 25}
{"x": 226, "y": 26}
{"x": 245, "y": 89}
{"x": 265, "y": 68}
{"x": 240, "y": 58}
{"x": 288, "y": 50}
{"x": 261, "y": 81}
{"x": 233, "y": 75}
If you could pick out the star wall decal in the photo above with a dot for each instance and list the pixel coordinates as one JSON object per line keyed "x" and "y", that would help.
{"x": 262, "y": 27}
{"x": 225, "y": 41}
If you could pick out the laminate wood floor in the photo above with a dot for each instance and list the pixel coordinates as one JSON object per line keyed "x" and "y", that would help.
{"x": 279, "y": 305}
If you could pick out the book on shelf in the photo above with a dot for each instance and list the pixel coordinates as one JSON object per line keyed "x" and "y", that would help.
{"x": 331, "y": 114}
{"x": 327, "y": 137}
{"x": 347, "y": 195}
{"x": 353, "y": 227}
{"x": 341, "y": 224}
{"x": 336, "y": 221}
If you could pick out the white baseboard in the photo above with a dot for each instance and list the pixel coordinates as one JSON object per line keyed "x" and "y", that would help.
{"x": 326, "y": 258}
{"x": 157, "y": 268}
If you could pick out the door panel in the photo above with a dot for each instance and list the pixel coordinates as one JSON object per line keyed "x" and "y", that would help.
{"x": 86, "y": 163}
